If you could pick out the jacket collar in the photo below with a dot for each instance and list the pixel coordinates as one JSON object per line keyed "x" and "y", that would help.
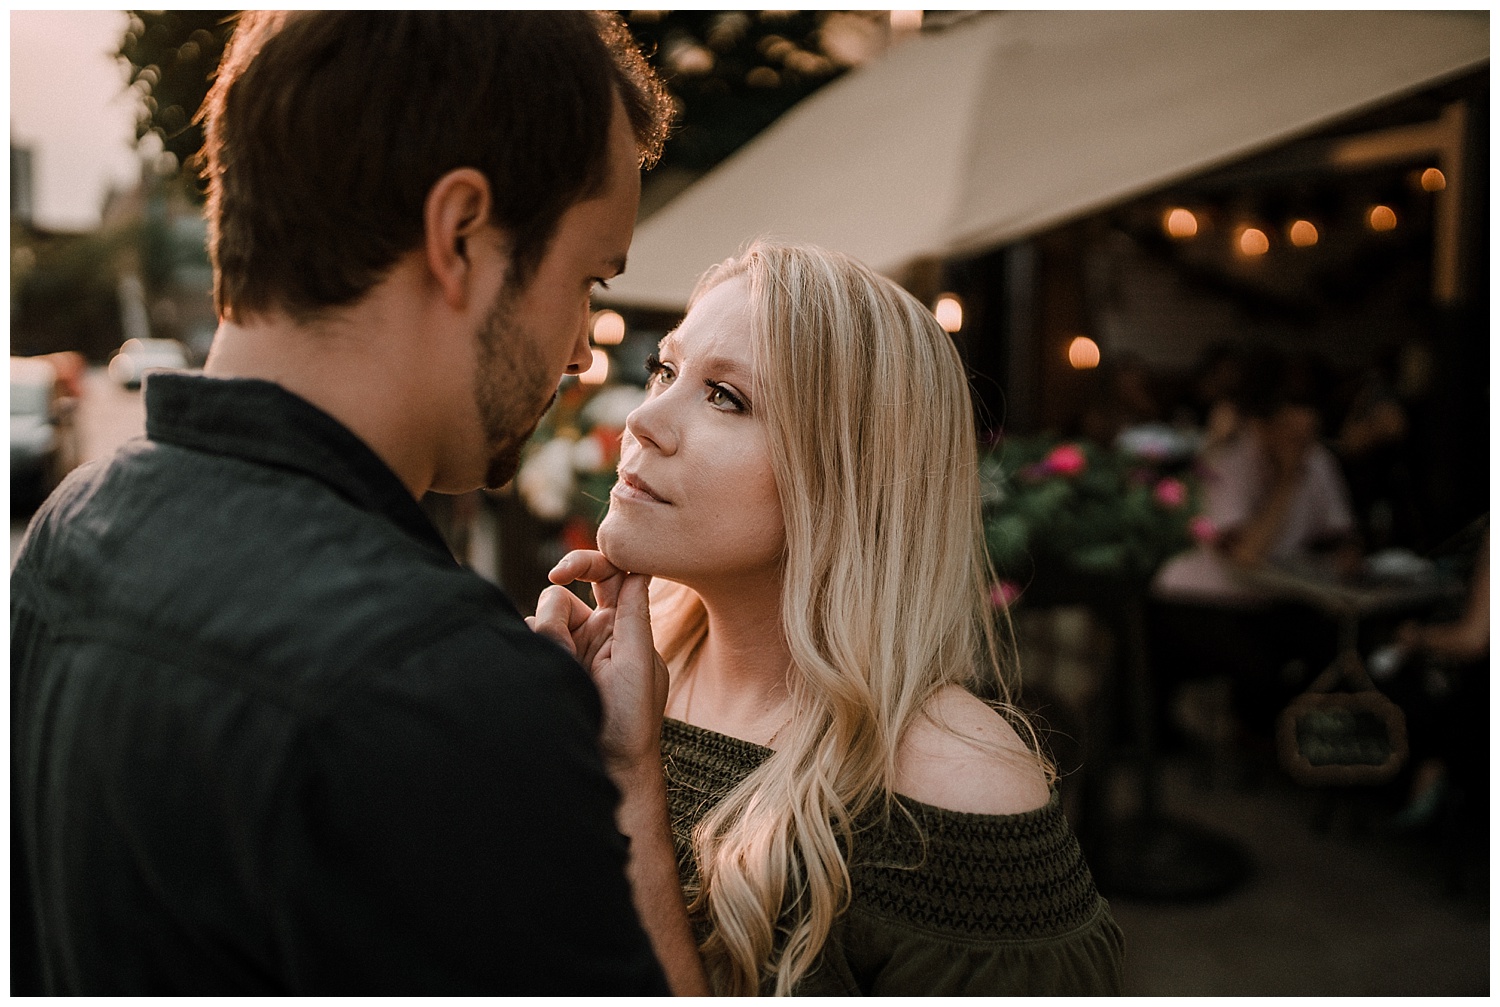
{"x": 262, "y": 422}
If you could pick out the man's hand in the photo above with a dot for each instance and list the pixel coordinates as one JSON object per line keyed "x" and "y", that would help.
{"x": 613, "y": 642}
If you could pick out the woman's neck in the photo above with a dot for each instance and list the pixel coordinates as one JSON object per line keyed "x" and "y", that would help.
{"x": 736, "y": 681}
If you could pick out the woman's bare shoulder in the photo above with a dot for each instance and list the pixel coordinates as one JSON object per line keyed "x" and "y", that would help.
{"x": 963, "y": 756}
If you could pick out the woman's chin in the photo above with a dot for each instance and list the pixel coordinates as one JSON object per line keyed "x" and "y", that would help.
{"x": 622, "y": 549}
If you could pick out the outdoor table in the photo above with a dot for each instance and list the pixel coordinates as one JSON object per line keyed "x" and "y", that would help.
{"x": 1350, "y": 600}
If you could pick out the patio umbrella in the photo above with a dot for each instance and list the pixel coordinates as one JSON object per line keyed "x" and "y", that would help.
{"x": 1004, "y": 124}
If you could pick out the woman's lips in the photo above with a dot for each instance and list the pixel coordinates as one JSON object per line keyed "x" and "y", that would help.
{"x": 633, "y": 487}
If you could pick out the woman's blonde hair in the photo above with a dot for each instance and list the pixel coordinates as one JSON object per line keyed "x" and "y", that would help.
{"x": 885, "y": 596}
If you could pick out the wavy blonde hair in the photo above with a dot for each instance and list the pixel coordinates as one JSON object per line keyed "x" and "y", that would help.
{"x": 885, "y": 596}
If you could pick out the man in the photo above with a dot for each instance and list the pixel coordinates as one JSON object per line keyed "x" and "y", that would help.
{"x": 267, "y": 736}
{"x": 1272, "y": 493}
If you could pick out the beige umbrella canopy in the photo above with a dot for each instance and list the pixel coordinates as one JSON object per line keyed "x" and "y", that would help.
{"x": 1004, "y": 124}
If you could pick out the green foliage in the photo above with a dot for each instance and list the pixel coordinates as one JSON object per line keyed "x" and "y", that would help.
{"x": 173, "y": 55}
{"x": 1074, "y": 506}
{"x": 732, "y": 72}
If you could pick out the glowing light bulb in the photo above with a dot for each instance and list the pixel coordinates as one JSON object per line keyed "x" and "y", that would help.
{"x": 608, "y": 328}
{"x": 906, "y": 20}
{"x": 1433, "y": 180}
{"x": 1302, "y": 233}
{"x": 949, "y": 312}
{"x": 1083, "y": 353}
{"x": 598, "y": 371}
{"x": 1253, "y": 241}
{"x": 1180, "y": 223}
{"x": 1381, "y": 218}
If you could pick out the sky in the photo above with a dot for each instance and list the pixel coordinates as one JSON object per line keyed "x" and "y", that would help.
{"x": 69, "y": 104}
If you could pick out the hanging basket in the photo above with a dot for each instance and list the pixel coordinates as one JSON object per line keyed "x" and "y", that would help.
{"x": 1342, "y": 731}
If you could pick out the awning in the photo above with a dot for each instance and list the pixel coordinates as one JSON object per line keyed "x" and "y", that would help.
{"x": 964, "y": 139}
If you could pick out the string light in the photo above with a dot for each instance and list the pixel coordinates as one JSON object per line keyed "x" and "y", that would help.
{"x": 598, "y": 371}
{"x": 608, "y": 328}
{"x": 1433, "y": 180}
{"x": 1180, "y": 223}
{"x": 1253, "y": 241}
{"x": 949, "y": 312}
{"x": 1302, "y": 233}
{"x": 1083, "y": 353}
{"x": 1381, "y": 218}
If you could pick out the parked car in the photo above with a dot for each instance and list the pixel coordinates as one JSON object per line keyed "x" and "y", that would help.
{"x": 43, "y": 442}
{"x": 136, "y": 356}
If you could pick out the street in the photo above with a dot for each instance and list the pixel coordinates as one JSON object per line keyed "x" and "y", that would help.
{"x": 108, "y": 416}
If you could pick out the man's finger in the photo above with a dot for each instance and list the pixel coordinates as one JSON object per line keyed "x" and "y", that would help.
{"x": 558, "y": 613}
{"x": 632, "y": 636}
{"x": 590, "y": 566}
{"x": 583, "y": 564}
{"x": 578, "y": 610}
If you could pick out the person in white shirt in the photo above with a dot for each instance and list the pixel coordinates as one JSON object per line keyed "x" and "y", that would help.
{"x": 1272, "y": 494}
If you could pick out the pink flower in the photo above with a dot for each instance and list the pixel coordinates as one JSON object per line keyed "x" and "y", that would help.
{"x": 1171, "y": 493}
{"x": 1202, "y": 530}
{"x": 1003, "y": 593}
{"x": 1066, "y": 460}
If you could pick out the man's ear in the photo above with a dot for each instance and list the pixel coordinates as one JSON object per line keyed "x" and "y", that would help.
{"x": 457, "y": 209}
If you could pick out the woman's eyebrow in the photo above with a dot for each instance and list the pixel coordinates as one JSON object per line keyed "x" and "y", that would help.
{"x": 732, "y": 366}
{"x": 725, "y": 365}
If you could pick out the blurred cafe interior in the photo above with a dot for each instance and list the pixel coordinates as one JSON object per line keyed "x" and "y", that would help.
{"x": 1152, "y": 234}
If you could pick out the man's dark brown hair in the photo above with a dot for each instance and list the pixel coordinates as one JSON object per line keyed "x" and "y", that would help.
{"x": 325, "y": 131}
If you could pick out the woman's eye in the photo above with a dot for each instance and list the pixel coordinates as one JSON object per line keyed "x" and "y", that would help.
{"x": 722, "y": 398}
{"x": 660, "y": 373}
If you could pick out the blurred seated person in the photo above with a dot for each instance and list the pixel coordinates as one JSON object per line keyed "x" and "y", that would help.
{"x": 1465, "y": 639}
{"x": 1376, "y": 446}
{"x": 1211, "y": 404}
{"x": 1442, "y": 684}
{"x": 1272, "y": 494}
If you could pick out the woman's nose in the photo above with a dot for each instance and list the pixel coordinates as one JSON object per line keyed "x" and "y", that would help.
{"x": 651, "y": 423}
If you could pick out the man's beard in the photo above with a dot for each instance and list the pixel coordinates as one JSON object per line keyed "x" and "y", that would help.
{"x": 510, "y": 380}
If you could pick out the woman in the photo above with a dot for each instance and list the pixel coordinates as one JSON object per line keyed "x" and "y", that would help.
{"x": 851, "y": 817}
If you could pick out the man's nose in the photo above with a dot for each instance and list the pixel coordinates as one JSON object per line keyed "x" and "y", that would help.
{"x": 583, "y": 353}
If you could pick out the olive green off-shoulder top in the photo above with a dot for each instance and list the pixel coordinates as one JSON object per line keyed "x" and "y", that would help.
{"x": 970, "y": 905}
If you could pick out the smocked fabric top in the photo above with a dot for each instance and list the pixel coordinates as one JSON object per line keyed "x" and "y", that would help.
{"x": 942, "y": 903}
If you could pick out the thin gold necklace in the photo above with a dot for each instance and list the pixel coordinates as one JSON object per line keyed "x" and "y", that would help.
{"x": 771, "y": 741}
{"x": 690, "y": 668}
